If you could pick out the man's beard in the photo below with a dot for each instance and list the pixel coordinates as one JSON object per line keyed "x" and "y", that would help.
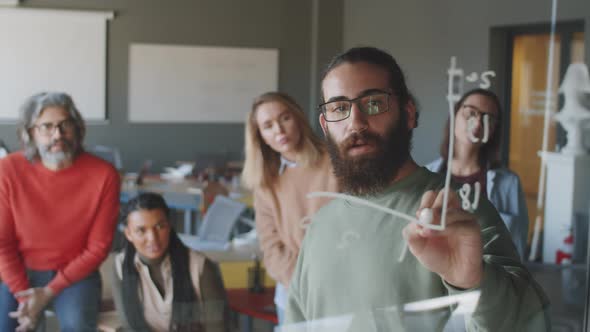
{"x": 56, "y": 158}
{"x": 370, "y": 174}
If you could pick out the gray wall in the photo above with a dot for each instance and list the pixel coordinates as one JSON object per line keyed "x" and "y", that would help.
{"x": 326, "y": 42}
{"x": 423, "y": 34}
{"x": 282, "y": 24}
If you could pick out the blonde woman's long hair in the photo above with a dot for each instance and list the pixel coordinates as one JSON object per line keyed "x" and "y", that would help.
{"x": 262, "y": 162}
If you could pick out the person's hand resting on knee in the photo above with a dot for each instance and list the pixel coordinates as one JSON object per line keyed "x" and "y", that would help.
{"x": 27, "y": 315}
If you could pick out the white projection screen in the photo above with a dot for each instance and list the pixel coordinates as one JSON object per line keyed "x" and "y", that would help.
{"x": 178, "y": 84}
{"x": 53, "y": 50}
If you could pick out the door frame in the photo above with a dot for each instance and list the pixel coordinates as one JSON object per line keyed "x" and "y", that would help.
{"x": 500, "y": 58}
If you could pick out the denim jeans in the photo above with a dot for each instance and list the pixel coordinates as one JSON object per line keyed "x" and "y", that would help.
{"x": 76, "y": 306}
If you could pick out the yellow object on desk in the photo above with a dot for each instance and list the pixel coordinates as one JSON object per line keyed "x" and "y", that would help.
{"x": 234, "y": 265}
{"x": 235, "y": 275}
{"x": 247, "y": 198}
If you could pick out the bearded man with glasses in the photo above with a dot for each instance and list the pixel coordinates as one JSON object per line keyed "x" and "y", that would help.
{"x": 352, "y": 267}
{"x": 58, "y": 210}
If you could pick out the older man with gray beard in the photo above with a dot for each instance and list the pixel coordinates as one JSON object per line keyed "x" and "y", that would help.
{"x": 58, "y": 210}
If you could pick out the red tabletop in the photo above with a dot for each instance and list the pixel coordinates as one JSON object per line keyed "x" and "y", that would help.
{"x": 257, "y": 305}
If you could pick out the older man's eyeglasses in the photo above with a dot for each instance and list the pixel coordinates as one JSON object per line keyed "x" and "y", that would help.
{"x": 339, "y": 110}
{"x": 48, "y": 128}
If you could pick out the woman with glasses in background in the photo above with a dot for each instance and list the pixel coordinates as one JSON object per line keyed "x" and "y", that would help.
{"x": 285, "y": 160}
{"x": 159, "y": 284}
{"x": 476, "y": 159}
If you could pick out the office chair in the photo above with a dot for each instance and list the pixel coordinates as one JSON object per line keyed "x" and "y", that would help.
{"x": 109, "y": 154}
{"x": 215, "y": 231}
{"x": 213, "y": 189}
{"x": 3, "y": 149}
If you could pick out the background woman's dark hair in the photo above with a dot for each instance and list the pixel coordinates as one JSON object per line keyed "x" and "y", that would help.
{"x": 489, "y": 154}
{"x": 185, "y": 305}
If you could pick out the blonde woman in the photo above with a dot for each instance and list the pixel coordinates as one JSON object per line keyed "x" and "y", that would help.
{"x": 284, "y": 162}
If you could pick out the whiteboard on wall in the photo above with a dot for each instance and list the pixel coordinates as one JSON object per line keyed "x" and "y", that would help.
{"x": 53, "y": 50}
{"x": 173, "y": 83}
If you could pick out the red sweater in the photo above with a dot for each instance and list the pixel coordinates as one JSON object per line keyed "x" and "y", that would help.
{"x": 61, "y": 220}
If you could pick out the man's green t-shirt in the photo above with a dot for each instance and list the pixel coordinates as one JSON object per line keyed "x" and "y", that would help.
{"x": 349, "y": 266}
